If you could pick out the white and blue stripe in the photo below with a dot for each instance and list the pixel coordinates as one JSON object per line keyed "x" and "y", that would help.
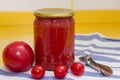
{"x": 104, "y": 50}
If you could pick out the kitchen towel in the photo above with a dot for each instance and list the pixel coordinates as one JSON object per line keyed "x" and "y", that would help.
{"x": 104, "y": 50}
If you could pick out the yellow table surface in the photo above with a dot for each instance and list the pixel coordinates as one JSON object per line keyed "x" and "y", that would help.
{"x": 19, "y": 25}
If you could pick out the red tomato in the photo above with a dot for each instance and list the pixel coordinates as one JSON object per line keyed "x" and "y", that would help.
{"x": 60, "y": 71}
{"x": 38, "y": 71}
{"x": 77, "y": 68}
{"x": 18, "y": 56}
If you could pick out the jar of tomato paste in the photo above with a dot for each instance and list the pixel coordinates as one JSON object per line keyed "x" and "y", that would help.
{"x": 54, "y": 37}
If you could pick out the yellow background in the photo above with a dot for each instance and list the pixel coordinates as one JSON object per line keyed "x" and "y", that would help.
{"x": 19, "y": 25}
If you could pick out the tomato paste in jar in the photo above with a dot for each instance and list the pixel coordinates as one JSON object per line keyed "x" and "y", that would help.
{"x": 54, "y": 37}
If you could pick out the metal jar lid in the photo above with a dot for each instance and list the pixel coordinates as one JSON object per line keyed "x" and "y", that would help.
{"x": 54, "y": 12}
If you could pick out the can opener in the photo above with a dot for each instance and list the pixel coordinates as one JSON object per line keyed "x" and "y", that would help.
{"x": 106, "y": 70}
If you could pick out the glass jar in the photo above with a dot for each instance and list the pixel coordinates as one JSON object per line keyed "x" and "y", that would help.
{"x": 54, "y": 37}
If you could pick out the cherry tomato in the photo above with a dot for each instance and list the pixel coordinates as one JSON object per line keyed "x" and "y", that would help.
{"x": 38, "y": 71}
{"x": 60, "y": 71}
{"x": 77, "y": 68}
{"x": 18, "y": 56}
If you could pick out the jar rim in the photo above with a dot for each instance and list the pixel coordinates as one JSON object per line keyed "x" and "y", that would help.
{"x": 54, "y": 12}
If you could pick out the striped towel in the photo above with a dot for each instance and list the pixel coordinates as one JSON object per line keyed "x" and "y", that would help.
{"x": 104, "y": 50}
